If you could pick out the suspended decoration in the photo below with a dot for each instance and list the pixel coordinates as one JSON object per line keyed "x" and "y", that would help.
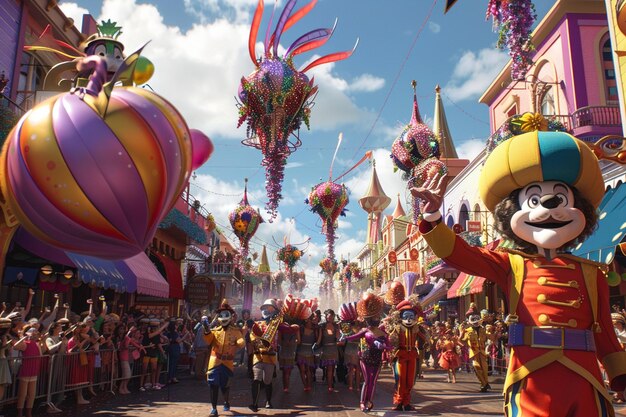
{"x": 329, "y": 266}
{"x": 245, "y": 221}
{"x": 328, "y": 200}
{"x": 289, "y": 255}
{"x": 514, "y": 21}
{"x": 95, "y": 170}
{"x": 416, "y": 153}
{"x": 277, "y": 98}
{"x": 351, "y": 272}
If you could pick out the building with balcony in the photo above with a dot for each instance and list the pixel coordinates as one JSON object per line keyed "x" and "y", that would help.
{"x": 573, "y": 79}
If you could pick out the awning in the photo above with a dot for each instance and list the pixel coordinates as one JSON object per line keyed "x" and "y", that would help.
{"x": 466, "y": 284}
{"x": 174, "y": 277}
{"x": 99, "y": 272}
{"x": 470, "y": 284}
{"x": 149, "y": 280}
{"x": 600, "y": 246}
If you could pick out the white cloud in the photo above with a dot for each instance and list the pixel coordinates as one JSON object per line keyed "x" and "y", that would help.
{"x": 199, "y": 70}
{"x": 474, "y": 72}
{"x": 367, "y": 83}
{"x": 207, "y": 10}
{"x": 75, "y": 12}
{"x": 470, "y": 148}
{"x": 291, "y": 165}
{"x": 434, "y": 27}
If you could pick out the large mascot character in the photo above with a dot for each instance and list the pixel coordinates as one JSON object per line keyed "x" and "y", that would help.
{"x": 543, "y": 188}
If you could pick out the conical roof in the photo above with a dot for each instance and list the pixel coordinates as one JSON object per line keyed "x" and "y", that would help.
{"x": 264, "y": 266}
{"x": 375, "y": 200}
{"x": 441, "y": 129}
{"x": 399, "y": 211}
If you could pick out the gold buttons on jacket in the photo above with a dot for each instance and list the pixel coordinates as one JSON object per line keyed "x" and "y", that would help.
{"x": 546, "y": 282}
{"x": 545, "y": 320}
{"x": 543, "y": 299}
{"x": 539, "y": 264}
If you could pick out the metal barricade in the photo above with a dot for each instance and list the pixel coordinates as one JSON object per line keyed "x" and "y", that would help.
{"x": 63, "y": 373}
{"x": 16, "y": 366}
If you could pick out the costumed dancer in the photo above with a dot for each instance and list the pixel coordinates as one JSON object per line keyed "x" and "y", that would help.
{"x": 544, "y": 189}
{"x": 423, "y": 346}
{"x": 225, "y": 340}
{"x": 348, "y": 327}
{"x": 475, "y": 338}
{"x": 327, "y": 339}
{"x": 289, "y": 338}
{"x": 304, "y": 355}
{"x": 373, "y": 342}
{"x": 403, "y": 336}
{"x": 264, "y": 339}
{"x": 449, "y": 359}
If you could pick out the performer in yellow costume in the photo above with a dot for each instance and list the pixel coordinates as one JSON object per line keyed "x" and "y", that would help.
{"x": 475, "y": 338}
{"x": 225, "y": 340}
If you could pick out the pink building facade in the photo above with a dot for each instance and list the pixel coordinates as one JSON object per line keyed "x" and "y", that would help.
{"x": 573, "y": 76}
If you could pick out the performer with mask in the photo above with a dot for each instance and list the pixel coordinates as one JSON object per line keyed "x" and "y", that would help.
{"x": 373, "y": 342}
{"x": 225, "y": 340}
{"x": 264, "y": 338}
{"x": 403, "y": 335}
{"x": 476, "y": 338}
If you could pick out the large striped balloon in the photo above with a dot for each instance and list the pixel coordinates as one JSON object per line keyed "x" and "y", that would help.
{"x": 93, "y": 185}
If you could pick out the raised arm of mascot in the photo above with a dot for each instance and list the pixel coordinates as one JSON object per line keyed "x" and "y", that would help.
{"x": 543, "y": 189}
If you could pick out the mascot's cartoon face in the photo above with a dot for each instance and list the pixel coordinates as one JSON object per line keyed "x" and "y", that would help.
{"x": 408, "y": 318}
{"x": 547, "y": 218}
{"x": 268, "y": 312}
{"x": 224, "y": 317}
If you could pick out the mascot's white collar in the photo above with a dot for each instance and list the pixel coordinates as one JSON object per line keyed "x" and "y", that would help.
{"x": 547, "y": 217}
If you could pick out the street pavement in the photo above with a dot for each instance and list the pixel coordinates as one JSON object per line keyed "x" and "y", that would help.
{"x": 432, "y": 396}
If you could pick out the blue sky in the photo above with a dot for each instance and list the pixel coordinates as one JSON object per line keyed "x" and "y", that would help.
{"x": 199, "y": 48}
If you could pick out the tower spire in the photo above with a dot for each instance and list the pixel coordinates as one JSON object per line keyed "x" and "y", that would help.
{"x": 441, "y": 129}
{"x": 264, "y": 266}
{"x": 399, "y": 211}
{"x": 415, "y": 116}
{"x": 374, "y": 202}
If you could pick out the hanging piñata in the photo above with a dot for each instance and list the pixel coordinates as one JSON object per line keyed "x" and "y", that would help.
{"x": 245, "y": 221}
{"x": 277, "y": 98}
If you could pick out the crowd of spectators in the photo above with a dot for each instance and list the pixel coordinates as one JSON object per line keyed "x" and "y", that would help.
{"x": 62, "y": 354}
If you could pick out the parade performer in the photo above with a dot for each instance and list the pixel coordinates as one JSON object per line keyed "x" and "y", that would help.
{"x": 449, "y": 359}
{"x": 544, "y": 189}
{"x": 289, "y": 337}
{"x": 348, "y": 327}
{"x": 264, "y": 338}
{"x": 327, "y": 339}
{"x": 304, "y": 355}
{"x": 373, "y": 342}
{"x": 475, "y": 338}
{"x": 403, "y": 336}
{"x": 225, "y": 340}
